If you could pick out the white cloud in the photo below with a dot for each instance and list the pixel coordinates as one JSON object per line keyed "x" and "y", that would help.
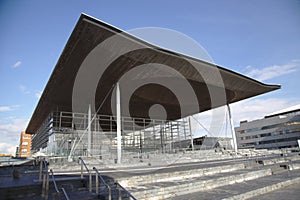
{"x": 24, "y": 89}
{"x": 38, "y": 94}
{"x": 5, "y": 108}
{"x": 8, "y": 148}
{"x": 8, "y": 108}
{"x": 12, "y": 125}
{"x": 273, "y": 71}
{"x": 17, "y": 64}
{"x": 252, "y": 109}
{"x": 10, "y": 129}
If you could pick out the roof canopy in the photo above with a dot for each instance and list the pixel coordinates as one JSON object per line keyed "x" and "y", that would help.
{"x": 97, "y": 56}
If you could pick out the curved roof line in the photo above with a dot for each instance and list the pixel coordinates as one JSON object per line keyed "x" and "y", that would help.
{"x": 137, "y": 39}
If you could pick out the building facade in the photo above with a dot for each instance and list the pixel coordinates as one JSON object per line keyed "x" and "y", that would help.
{"x": 275, "y": 131}
{"x": 65, "y": 134}
{"x": 25, "y": 145}
{"x": 107, "y": 105}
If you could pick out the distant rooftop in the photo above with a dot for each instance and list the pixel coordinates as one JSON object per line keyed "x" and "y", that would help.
{"x": 285, "y": 111}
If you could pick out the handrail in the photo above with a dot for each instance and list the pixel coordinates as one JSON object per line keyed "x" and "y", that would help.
{"x": 56, "y": 188}
{"x": 126, "y": 191}
{"x": 103, "y": 181}
{"x": 89, "y": 171}
{"x": 65, "y": 193}
{"x": 82, "y": 161}
{"x": 54, "y": 182}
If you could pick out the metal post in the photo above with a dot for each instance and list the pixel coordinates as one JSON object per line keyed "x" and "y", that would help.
{"x": 118, "y": 109}
{"x": 44, "y": 185}
{"x": 47, "y": 186}
{"x": 90, "y": 181}
{"x": 161, "y": 138}
{"x": 184, "y": 130}
{"x": 60, "y": 116}
{"x": 73, "y": 117}
{"x": 81, "y": 169}
{"x": 120, "y": 194}
{"x": 191, "y": 133}
{"x": 172, "y": 137}
{"x": 41, "y": 171}
{"x": 89, "y": 131}
{"x": 109, "y": 193}
{"x": 97, "y": 183}
{"x": 232, "y": 129}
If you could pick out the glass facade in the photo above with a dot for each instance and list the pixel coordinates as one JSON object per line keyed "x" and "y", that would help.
{"x": 65, "y": 133}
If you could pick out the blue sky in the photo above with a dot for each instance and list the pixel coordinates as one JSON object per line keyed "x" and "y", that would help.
{"x": 256, "y": 38}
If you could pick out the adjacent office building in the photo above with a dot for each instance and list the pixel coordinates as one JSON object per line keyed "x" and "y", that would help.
{"x": 275, "y": 131}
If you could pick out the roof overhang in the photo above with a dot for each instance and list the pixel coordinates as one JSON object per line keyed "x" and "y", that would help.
{"x": 97, "y": 56}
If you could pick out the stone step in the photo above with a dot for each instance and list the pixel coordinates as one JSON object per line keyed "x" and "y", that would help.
{"x": 279, "y": 160}
{"x": 248, "y": 189}
{"x": 103, "y": 194}
{"x": 294, "y": 166}
{"x": 289, "y": 191}
{"x": 277, "y": 169}
{"x": 163, "y": 190}
{"x": 177, "y": 175}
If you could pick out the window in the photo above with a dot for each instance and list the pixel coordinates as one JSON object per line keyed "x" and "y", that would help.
{"x": 265, "y": 135}
{"x": 24, "y": 150}
{"x": 24, "y": 143}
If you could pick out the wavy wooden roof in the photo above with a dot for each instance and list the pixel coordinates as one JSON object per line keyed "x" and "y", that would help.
{"x": 212, "y": 86}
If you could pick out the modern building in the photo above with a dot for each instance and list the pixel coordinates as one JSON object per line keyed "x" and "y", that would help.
{"x": 274, "y": 131}
{"x": 25, "y": 145}
{"x": 112, "y": 94}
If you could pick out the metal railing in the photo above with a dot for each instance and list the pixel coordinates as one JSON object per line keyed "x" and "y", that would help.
{"x": 43, "y": 168}
{"x": 56, "y": 188}
{"x": 54, "y": 183}
{"x": 126, "y": 191}
{"x": 65, "y": 193}
{"x": 103, "y": 181}
{"x": 82, "y": 163}
{"x": 44, "y": 177}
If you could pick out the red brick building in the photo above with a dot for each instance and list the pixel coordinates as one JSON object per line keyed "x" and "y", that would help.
{"x": 25, "y": 145}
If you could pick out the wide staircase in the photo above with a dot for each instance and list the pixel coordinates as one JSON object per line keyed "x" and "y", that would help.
{"x": 197, "y": 175}
{"x": 238, "y": 178}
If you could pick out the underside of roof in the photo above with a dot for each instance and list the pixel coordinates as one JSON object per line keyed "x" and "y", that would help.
{"x": 97, "y": 56}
